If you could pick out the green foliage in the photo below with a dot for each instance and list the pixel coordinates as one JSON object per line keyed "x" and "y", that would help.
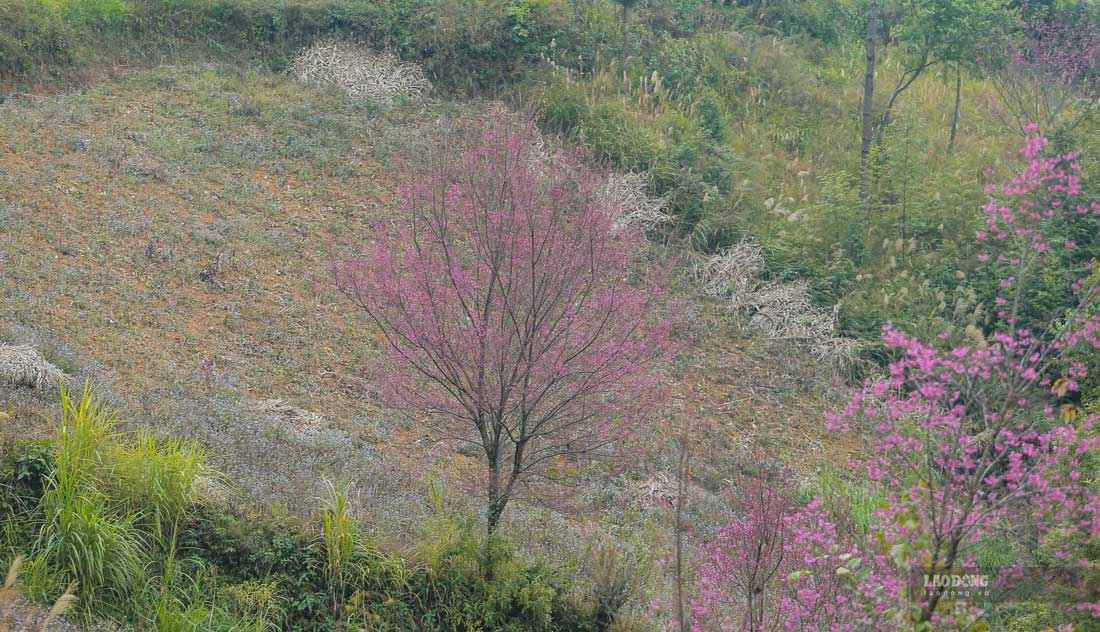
{"x": 94, "y": 506}
{"x": 440, "y": 588}
{"x": 464, "y": 46}
{"x": 91, "y": 12}
{"x": 948, "y": 30}
{"x": 119, "y": 513}
{"x": 156, "y": 478}
{"x": 30, "y": 38}
{"x": 82, "y": 538}
{"x": 617, "y": 572}
{"x": 827, "y": 20}
{"x": 846, "y": 496}
{"x": 32, "y": 466}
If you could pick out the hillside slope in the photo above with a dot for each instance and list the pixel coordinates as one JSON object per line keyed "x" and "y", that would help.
{"x": 169, "y": 234}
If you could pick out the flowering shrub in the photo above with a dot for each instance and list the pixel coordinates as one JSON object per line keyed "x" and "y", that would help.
{"x": 971, "y": 445}
{"x": 779, "y": 566}
{"x": 1050, "y": 73}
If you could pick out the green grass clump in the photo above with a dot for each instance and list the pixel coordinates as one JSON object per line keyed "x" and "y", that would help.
{"x": 83, "y": 537}
{"x": 81, "y": 12}
{"x": 156, "y": 479}
{"x": 103, "y": 505}
{"x": 846, "y": 494}
{"x": 119, "y": 514}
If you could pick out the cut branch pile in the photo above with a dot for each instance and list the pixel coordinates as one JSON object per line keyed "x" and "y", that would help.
{"x": 778, "y": 310}
{"x": 362, "y": 72}
{"x": 625, "y": 197}
{"x": 24, "y": 366}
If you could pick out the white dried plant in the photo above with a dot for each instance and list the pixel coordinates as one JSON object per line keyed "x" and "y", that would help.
{"x": 838, "y": 353}
{"x": 363, "y": 72}
{"x": 734, "y": 273}
{"x": 295, "y": 421}
{"x": 778, "y": 310}
{"x": 23, "y": 365}
{"x": 625, "y": 197}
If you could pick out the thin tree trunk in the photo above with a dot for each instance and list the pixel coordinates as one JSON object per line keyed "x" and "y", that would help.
{"x": 958, "y": 102}
{"x": 492, "y": 519}
{"x": 903, "y": 85}
{"x": 929, "y": 609}
{"x": 624, "y": 35}
{"x": 868, "y": 108}
{"x": 681, "y": 488}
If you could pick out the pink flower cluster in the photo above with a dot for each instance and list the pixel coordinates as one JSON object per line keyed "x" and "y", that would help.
{"x": 781, "y": 566}
{"x": 1049, "y": 74}
{"x": 972, "y": 443}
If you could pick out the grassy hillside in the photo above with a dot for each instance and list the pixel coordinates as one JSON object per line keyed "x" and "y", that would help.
{"x": 169, "y": 235}
{"x": 172, "y": 203}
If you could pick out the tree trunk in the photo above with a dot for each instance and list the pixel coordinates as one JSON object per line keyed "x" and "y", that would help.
{"x": 497, "y": 500}
{"x": 624, "y": 36}
{"x": 681, "y": 488}
{"x": 958, "y": 102}
{"x": 929, "y": 609}
{"x": 903, "y": 85}
{"x": 868, "y": 108}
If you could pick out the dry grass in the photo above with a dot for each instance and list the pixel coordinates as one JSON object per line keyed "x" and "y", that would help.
{"x": 625, "y": 195}
{"x": 16, "y": 615}
{"x": 23, "y": 365}
{"x": 362, "y": 72}
{"x": 777, "y": 310}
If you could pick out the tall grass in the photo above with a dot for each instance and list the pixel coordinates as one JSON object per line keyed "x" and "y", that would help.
{"x": 82, "y": 537}
{"x": 156, "y": 479}
{"x": 82, "y": 12}
{"x": 339, "y": 534}
{"x": 847, "y": 496}
{"x": 109, "y": 500}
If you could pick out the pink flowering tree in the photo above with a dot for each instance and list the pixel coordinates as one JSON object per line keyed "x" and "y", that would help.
{"x": 971, "y": 443}
{"x": 1049, "y": 74}
{"x": 778, "y": 566}
{"x": 503, "y": 301}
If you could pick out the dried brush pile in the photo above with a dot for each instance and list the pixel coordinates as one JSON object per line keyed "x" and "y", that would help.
{"x": 24, "y": 366}
{"x": 303, "y": 426}
{"x": 778, "y": 310}
{"x": 361, "y": 71}
{"x": 625, "y": 197}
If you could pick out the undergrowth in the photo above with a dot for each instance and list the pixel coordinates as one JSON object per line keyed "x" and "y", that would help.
{"x": 123, "y": 516}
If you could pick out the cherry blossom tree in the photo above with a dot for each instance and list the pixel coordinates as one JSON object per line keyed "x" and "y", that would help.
{"x": 778, "y": 566}
{"x": 503, "y": 300}
{"x": 971, "y": 445}
{"x": 1050, "y": 75}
